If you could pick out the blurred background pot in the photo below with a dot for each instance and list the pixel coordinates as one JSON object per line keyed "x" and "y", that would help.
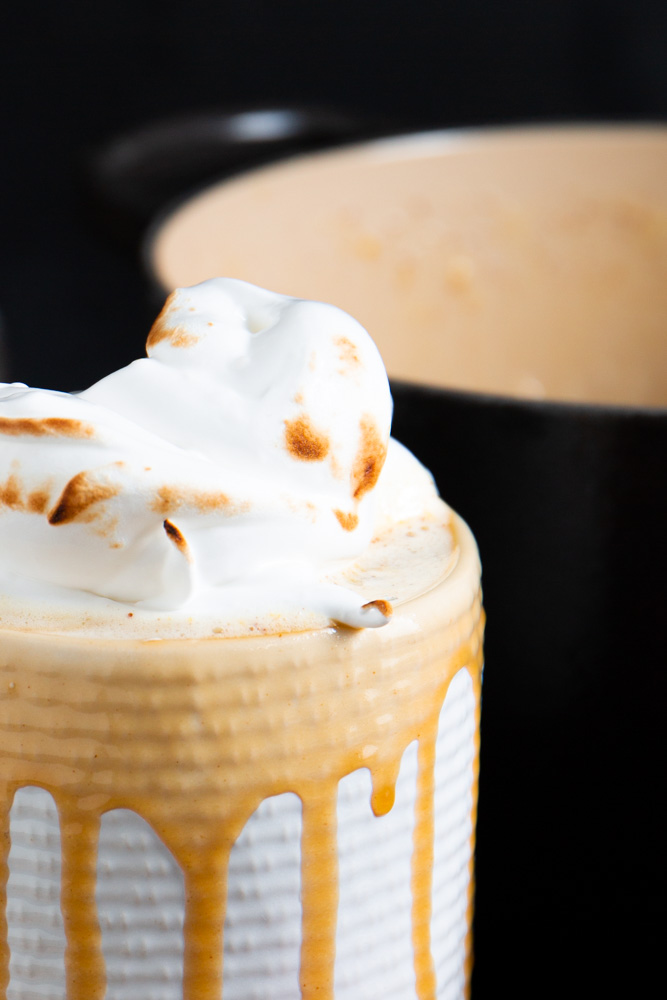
{"x": 515, "y": 281}
{"x": 129, "y": 178}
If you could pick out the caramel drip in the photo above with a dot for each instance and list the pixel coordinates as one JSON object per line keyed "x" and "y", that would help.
{"x": 193, "y": 735}
{"x": 384, "y": 779}
{"x": 476, "y": 677}
{"x": 6, "y": 797}
{"x": 202, "y": 854}
{"x": 84, "y": 962}
{"x": 205, "y": 903}
{"x": 422, "y": 864}
{"x": 319, "y": 892}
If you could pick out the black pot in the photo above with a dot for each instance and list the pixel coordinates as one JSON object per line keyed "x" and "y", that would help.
{"x": 568, "y": 505}
{"x": 131, "y": 178}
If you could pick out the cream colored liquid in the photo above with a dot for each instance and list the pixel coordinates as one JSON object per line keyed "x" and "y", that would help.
{"x": 193, "y": 735}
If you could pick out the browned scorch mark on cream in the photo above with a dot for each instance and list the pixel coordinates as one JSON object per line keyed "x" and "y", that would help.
{"x": 11, "y": 493}
{"x": 384, "y": 607}
{"x": 348, "y": 521}
{"x": 175, "y": 535}
{"x": 348, "y": 354}
{"x": 163, "y": 330}
{"x": 39, "y": 500}
{"x": 80, "y": 494}
{"x": 369, "y": 460}
{"x": 160, "y": 330}
{"x": 170, "y": 499}
{"x": 45, "y": 427}
{"x": 336, "y": 470}
{"x": 304, "y": 442}
{"x": 14, "y": 496}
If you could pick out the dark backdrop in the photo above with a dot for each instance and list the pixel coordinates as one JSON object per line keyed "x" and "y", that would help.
{"x": 73, "y": 299}
{"x": 75, "y": 73}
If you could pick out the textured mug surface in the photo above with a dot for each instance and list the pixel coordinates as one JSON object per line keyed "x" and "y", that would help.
{"x": 304, "y": 803}
{"x": 140, "y": 893}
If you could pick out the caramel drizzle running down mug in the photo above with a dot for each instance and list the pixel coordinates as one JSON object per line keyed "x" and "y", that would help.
{"x": 193, "y": 734}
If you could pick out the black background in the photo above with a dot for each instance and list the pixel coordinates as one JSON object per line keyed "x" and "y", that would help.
{"x": 75, "y": 305}
{"x": 75, "y": 73}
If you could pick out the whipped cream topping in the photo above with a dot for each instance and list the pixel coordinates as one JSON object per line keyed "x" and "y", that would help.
{"x": 238, "y": 464}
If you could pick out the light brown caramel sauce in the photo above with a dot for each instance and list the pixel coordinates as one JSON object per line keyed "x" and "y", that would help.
{"x": 370, "y": 459}
{"x": 319, "y": 890}
{"x": 79, "y": 836}
{"x": 190, "y": 739}
{"x": 45, "y": 427}
{"x": 422, "y": 863}
{"x": 477, "y": 691}
{"x": 6, "y": 799}
{"x": 305, "y": 442}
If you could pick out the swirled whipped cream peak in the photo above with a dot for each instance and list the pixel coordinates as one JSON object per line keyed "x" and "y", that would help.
{"x": 241, "y": 473}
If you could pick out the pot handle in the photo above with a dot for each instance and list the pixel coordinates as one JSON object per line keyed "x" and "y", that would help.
{"x": 132, "y": 177}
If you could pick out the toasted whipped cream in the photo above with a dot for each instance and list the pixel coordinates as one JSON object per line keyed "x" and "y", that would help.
{"x": 237, "y": 471}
